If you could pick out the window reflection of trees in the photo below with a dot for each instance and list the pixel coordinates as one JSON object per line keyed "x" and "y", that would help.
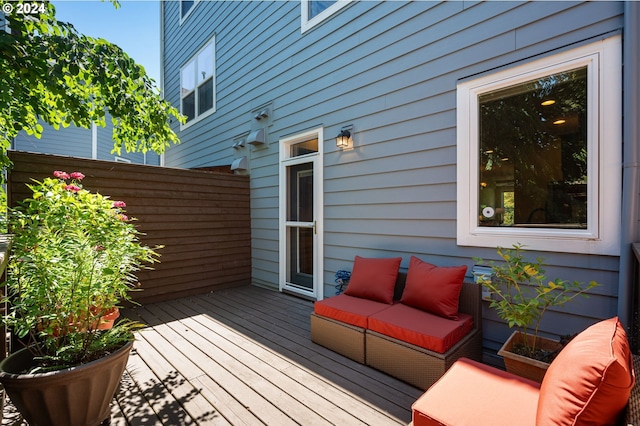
{"x": 533, "y": 142}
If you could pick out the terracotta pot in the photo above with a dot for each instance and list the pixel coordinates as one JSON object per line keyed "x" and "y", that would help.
{"x": 75, "y": 396}
{"x": 107, "y": 320}
{"x": 524, "y": 366}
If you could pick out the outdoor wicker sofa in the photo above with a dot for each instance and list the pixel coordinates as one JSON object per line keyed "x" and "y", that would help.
{"x": 355, "y": 327}
{"x": 591, "y": 382}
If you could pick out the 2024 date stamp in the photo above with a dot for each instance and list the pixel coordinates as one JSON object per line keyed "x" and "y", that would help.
{"x": 26, "y": 8}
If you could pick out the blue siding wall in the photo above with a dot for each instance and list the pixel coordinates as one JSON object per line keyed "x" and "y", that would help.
{"x": 77, "y": 142}
{"x": 72, "y": 141}
{"x": 390, "y": 69}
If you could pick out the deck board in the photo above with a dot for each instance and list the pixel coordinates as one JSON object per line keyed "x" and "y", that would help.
{"x": 244, "y": 357}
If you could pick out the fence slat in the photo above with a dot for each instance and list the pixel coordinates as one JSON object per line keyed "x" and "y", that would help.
{"x": 201, "y": 217}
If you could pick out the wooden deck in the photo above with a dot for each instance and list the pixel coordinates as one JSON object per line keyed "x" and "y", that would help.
{"x": 244, "y": 357}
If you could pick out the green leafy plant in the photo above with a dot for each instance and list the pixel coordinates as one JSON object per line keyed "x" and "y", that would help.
{"x": 73, "y": 260}
{"x": 49, "y": 72}
{"x": 521, "y": 293}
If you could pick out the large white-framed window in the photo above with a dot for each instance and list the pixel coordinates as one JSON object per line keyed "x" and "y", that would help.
{"x": 315, "y": 11}
{"x": 198, "y": 84}
{"x": 539, "y": 150}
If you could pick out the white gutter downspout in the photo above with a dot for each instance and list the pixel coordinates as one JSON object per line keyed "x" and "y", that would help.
{"x": 94, "y": 141}
{"x": 631, "y": 161}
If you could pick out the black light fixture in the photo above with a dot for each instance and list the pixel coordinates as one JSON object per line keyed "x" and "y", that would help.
{"x": 343, "y": 140}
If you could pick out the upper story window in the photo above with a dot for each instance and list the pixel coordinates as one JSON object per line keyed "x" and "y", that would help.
{"x": 197, "y": 84}
{"x": 316, "y": 11}
{"x": 539, "y": 151}
{"x": 185, "y": 7}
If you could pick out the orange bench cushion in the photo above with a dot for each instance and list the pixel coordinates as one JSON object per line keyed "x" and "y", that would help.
{"x": 420, "y": 328}
{"x": 348, "y": 309}
{"x": 474, "y": 394}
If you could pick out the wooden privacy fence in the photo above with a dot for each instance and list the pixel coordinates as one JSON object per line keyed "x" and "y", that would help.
{"x": 202, "y": 218}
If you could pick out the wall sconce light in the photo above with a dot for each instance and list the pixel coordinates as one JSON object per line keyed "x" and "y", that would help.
{"x": 344, "y": 140}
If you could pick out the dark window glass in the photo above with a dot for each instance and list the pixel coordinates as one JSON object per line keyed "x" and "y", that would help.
{"x": 304, "y": 148}
{"x": 185, "y": 6}
{"x": 189, "y": 106}
{"x": 205, "y": 96}
{"x": 317, "y": 6}
{"x": 533, "y": 153}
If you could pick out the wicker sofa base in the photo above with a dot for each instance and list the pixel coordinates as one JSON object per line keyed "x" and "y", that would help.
{"x": 415, "y": 365}
{"x": 342, "y": 338}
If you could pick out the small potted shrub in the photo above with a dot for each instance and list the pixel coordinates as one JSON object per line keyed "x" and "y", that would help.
{"x": 521, "y": 294}
{"x": 72, "y": 263}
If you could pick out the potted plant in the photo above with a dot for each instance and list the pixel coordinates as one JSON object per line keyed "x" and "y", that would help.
{"x": 73, "y": 258}
{"x": 521, "y": 294}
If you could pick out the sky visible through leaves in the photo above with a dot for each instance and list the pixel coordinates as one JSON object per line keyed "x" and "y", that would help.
{"x": 135, "y": 27}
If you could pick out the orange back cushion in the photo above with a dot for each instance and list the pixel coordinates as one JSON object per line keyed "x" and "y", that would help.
{"x": 590, "y": 381}
{"x": 434, "y": 289}
{"x": 373, "y": 278}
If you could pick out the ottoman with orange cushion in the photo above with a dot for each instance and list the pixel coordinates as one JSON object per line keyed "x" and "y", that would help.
{"x": 589, "y": 383}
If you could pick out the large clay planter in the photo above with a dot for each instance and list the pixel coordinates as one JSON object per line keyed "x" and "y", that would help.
{"x": 78, "y": 396}
{"x": 524, "y": 366}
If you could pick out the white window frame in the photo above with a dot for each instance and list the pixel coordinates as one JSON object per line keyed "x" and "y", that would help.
{"x": 306, "y": 24}
{"x": 212, "y": 44}
{"x": 604, "y": 147}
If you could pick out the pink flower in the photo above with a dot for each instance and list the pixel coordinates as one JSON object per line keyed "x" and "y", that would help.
{"x": 61, "y": 175}
{"x": 119, "y": 204}
{"x": 72, "y": 188}
{"x": 123, "y": 217}
{"x": 98, "y": 248}
{"x": 77, "y": 176}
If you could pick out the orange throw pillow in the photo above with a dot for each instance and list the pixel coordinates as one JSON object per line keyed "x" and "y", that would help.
{"x": 434, "y": 289}
{"x": 374, "y": 279}
{"x": 590, "y": 380}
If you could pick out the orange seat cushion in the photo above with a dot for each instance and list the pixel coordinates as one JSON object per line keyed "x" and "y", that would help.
{"x": 373, "y": 278}
{"x": 590, "y": 380}
{"x": 434, "y": 288}
{"x": 474, "y": 394}
{"x": 420, "y": 328}
{"x": 348, "y": 309}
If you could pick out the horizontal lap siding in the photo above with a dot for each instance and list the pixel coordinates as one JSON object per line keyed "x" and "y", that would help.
{"x": 72, "y": 140}
{"x": 201, "y": 218}
{"x": 390, "y": 69}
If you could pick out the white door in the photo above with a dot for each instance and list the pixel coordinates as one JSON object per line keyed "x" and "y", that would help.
{"x": 301, "y": 215}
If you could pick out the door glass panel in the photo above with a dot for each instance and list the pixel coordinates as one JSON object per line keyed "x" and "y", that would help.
{"x": 301, "y": 257}
{"x": 300, "y": 215}
{"x": 300, "y": 202}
